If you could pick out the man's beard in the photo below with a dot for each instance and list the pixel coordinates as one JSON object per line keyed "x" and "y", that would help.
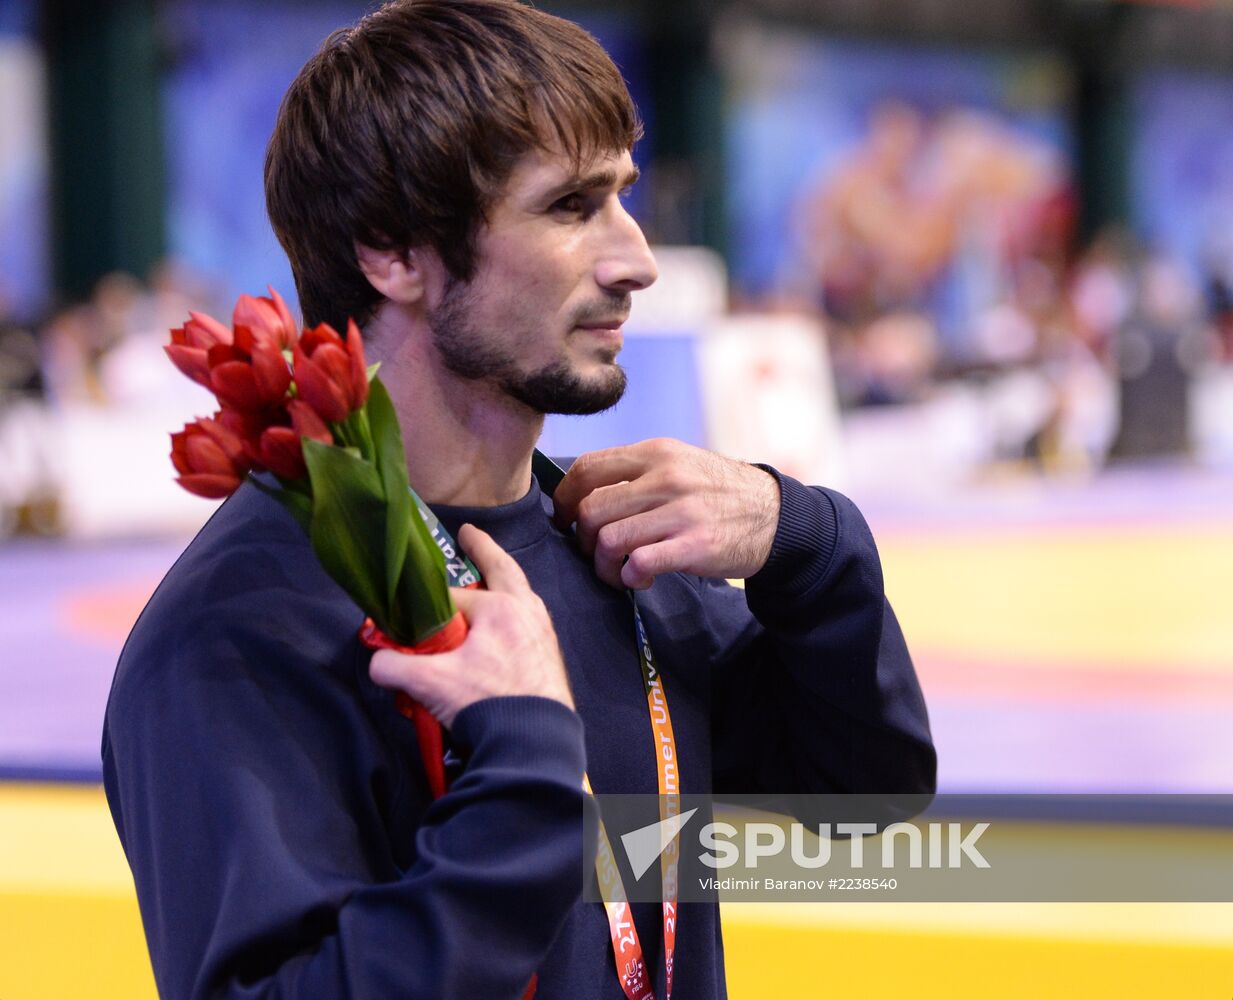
{"x": 468, "y": 352}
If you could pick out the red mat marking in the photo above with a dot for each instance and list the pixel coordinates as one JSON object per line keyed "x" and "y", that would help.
{"x": 996, "y": 676}
{"x": 105, "y": 614}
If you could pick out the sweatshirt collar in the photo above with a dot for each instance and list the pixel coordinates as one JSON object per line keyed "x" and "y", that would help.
{"x": 513, "y": 525}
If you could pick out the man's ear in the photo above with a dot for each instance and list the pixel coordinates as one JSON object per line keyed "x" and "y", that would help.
{"x": 399, "y": 275}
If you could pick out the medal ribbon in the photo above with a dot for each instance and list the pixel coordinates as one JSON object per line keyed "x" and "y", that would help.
{"x": 627, "y": 953}
{"x": 631, "y": 967}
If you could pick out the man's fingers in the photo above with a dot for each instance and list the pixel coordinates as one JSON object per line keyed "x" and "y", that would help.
{"x": 387, "y": 669}
{"x": 413, "y": 673}
{"x": 619, "y": 539}
{"x": 599, "y": 468}
{"x": 650, "y": 561}
{"x": 498, "y": 568}
{"x": 608, "y": 504}
{"x": 466, "y": 600}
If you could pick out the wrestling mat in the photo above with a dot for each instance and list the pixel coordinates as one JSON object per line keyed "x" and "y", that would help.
{"x": 1070, "y": 637}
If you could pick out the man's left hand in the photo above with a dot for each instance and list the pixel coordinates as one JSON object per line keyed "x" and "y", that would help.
{"x": 668, "y": 507}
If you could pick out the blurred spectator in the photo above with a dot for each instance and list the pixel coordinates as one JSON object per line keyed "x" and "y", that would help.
{"x": 94, "y": 390}
{"x": 27, "y": 494}
{"x": 1218, "y": 278}
{"x": 897, "y": 357}
{"x": 78, "y": 339}
{"x": 1102, "y": 291}
{"x": 108, "y": 351}
{"x": 20, "y": 370}
{"x": 1159, "y": 349}
{"x": 875, "y": 235}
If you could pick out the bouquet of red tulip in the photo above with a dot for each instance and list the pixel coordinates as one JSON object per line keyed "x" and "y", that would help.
{"x": 303, "y": 407}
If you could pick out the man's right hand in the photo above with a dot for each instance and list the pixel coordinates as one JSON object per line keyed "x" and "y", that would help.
{"x": 511, "y": 648}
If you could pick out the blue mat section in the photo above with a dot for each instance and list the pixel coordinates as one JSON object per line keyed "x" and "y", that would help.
{"x": 52, "y": 775}
{"x": 664, "y": 399}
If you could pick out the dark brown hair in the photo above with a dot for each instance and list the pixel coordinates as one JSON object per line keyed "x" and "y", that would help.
{"x": 401, "y": 132}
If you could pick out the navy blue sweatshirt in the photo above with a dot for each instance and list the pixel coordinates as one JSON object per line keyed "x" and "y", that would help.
{"x": 272, "y": 804}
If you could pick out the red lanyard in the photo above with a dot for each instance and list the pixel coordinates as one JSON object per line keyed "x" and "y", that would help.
{"x": 627, "y": 953}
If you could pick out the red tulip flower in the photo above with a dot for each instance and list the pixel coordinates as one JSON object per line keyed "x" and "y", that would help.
{"x": 268, "y": 318}
{"x": 271, "y": 439}
{"x": 330, "y": 374}
{"x": 280, "y": 451}
{"x": 210, "y": 458}
{"x": 191, "y": 343}
{"x": 250, "y": 374}
{"x": 280, "y": 448}
{"x": 248, "y": 427}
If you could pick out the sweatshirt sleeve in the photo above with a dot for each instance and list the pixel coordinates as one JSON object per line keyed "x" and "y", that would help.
{"x": 265, "y": 817}
{"x": 817, "y": 693}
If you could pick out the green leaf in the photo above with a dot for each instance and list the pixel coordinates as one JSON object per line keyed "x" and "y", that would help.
{"x": 373, "y": 369}
{"x": 391, "y": 462}
{"x": 423, "y": 603}
{"x": 420, "y": 601}
{"x": 348, "y": 526}
{"x": 368, "y": 535}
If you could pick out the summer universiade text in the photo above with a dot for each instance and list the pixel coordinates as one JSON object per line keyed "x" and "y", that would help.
{"x": 946, "y": 844}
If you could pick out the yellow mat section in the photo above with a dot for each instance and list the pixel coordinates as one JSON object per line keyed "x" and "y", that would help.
{"x": 1008, "y": 951}
{"x": 69, "y": 925}
{"x": 69, "y": 928}
{"x": 1145, "y": 596}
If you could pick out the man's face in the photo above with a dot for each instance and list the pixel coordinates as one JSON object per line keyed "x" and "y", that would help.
{"x": 556, "y": 265}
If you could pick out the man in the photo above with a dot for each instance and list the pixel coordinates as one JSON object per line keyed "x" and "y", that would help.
{"x": 450, "y": 173}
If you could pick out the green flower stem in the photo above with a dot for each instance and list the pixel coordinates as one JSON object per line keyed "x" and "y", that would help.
{"x": 302, "y": 486}
{"x": 355, "y": 432}
{"x": 366, "y": 442}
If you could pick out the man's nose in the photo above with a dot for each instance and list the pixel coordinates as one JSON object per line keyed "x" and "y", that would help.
{"x": 627, "y": 263}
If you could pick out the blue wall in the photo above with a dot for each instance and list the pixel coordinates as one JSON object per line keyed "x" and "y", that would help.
{"x": 24, "y": 198}
{"x": 802, "y": 103}
{"x": 235, "y": 62}
{"x": 1181, "y": 172}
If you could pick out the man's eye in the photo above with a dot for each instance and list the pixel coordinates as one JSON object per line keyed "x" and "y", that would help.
{"x": 571, "y": 203}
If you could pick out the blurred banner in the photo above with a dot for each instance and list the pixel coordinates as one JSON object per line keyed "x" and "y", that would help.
{"x": 1182, "y": 172}
{"x": 231, "y": 64}
{"x": 888, "y": 184}
{"x": 24, "y": 207}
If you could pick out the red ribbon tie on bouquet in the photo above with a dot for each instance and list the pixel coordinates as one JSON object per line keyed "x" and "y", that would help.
{"x": 427, "y": 728}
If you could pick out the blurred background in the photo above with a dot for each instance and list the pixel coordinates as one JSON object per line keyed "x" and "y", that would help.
{"x": 971, "y": 264}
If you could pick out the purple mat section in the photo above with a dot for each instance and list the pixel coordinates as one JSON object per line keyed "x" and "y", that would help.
{"x": 55, "y": 673}
{"x": 1165, "y": 493}
{"x": 1007, "y": 747}
{"x": 64, "y": 610}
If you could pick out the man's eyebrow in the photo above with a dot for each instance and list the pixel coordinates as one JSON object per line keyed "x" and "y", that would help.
{"x": 589, "y": 182}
